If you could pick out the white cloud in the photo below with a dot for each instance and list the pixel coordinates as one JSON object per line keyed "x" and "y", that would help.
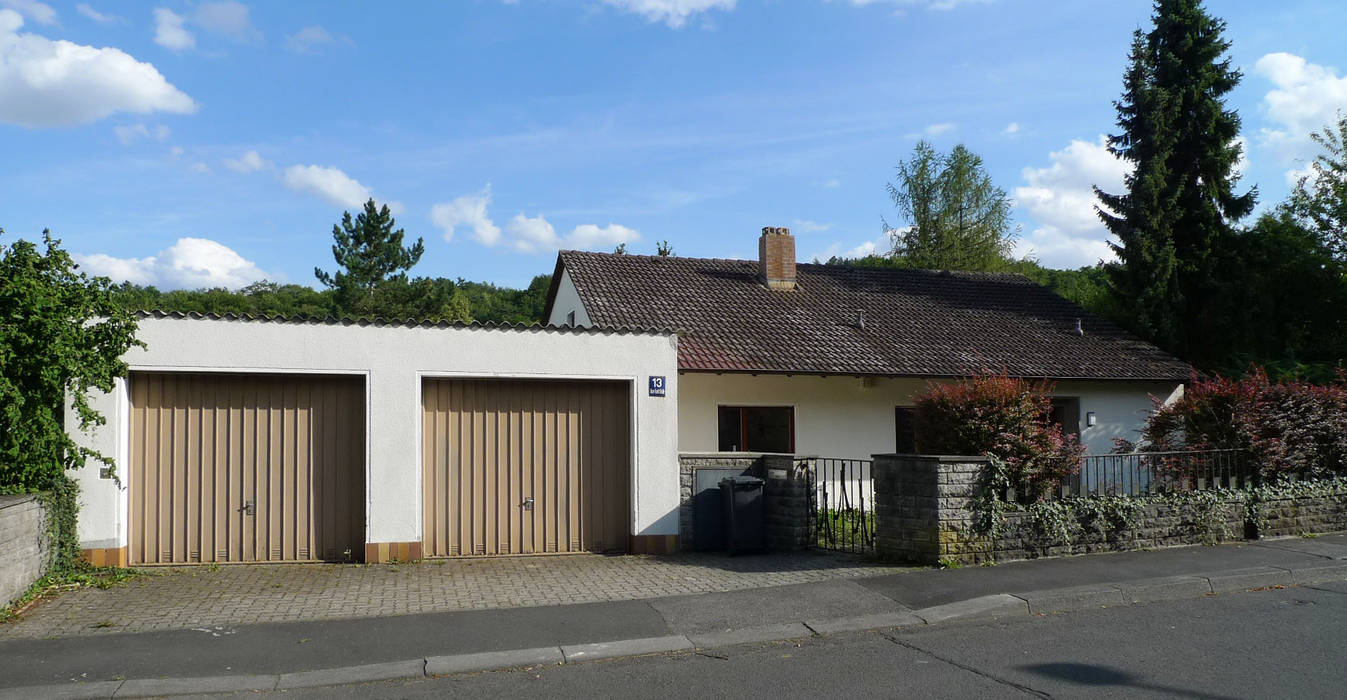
{"x": 169, "y": 31}
{"x": 674, "y": 13}
{"x": 60, "y": 83}
{"x": 309, "y": 39}
{"x": 249, "y": 162}
{"x": 938, "y": 129}
{"x": 808, "y": 226}
{"x": 470, "y": 211}
{"x": 95, "y": 15}
{"x": 228, "y": 18}
{"x": 331, "y": 184}
{"x": 189, "y": 263}
{"x": 531, "y": 235}
{"x": 522, "y": 233}
{"x": 199, "y": 168}
{"x": 1305, "y": 98}
{"x": 1060, "y": 199}
{"x": 594, "y": 236}
{"x": 132, "y": 132}
{"x": 878, "y": 246}
{"x": 1011, "y": 128}
{"x": 829, "y": 184}
{"x": 39, "y": 12}
{"x": 928, "y": 4}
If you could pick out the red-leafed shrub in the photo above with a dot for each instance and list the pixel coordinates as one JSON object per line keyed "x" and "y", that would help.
{"x": 1004, "y": 416}
{"x": 1286, "y": 428}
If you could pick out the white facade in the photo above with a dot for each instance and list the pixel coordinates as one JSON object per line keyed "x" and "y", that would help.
{"x": 850, "y": 418}
{"x": 393, "y": 360}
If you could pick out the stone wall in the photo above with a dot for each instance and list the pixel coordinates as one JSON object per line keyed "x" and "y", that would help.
{"x": 26, "y": 549}
{"x": 786, "y": 491}
{"x": 924, "y": 514}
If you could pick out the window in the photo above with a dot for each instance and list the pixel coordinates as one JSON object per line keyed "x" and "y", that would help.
{"x": 570, "y": 319}
{"x": 1066, "y": 413}
{"x": 905, "y": 429}
{"x": 757, "y": 429}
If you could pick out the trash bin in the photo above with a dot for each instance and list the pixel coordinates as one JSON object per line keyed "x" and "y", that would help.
{"x": 744, "y": 529}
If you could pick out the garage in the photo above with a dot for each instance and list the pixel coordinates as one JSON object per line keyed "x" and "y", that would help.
{"x": 246, "y": 467}
{"x": 525, "y": 466}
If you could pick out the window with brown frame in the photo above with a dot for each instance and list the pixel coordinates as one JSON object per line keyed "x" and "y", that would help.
{"x": 757, "y": 429}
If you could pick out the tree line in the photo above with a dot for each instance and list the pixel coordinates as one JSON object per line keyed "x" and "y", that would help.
{"x": 1192, "y": 274}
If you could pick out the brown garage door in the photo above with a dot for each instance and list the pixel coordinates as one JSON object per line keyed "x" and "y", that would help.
{"x": 525, "y": 467}
{"x": 246, "y": 468}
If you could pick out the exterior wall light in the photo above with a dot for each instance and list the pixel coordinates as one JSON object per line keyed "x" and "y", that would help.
{"x": 1089, "y": 419}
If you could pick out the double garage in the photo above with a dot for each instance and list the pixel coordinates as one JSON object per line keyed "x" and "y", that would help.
{"x": 237, "y": 442}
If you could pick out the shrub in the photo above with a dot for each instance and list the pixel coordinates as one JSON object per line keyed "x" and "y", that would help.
{"x": 1285, "y": 427}
{"x": 1003, "y": 416}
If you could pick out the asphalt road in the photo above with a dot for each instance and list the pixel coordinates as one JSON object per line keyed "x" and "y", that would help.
{"x": 1281, "y": 643}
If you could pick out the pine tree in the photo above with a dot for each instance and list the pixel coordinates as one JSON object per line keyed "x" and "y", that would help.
{"x": 1176, "y": 216}
{"x": 370, "y": 252}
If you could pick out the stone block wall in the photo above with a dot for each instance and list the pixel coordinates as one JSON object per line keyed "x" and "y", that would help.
{"x": 924, "y": 514}
{"x": 787, "y": 508}
{"x": 26, "y": 549}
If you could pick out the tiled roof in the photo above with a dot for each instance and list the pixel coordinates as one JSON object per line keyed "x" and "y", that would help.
{"x": 408, "y": 323}
{"x": 916, "y": 322}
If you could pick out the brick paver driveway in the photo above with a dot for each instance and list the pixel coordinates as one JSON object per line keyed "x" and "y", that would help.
{"x": 201, "y": 597}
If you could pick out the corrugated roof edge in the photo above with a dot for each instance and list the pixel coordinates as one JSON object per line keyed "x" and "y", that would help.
{"x": 406, "y": 323}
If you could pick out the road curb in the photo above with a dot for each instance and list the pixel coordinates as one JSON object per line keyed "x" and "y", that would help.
{"x": 985, "y": 607}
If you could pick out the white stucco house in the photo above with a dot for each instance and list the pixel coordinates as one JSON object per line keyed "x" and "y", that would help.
{"x": 823, "y": 360}
{"x": 242, "y": 439}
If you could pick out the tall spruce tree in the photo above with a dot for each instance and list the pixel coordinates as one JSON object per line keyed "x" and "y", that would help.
{"x": 370, "y": 252}
{"x": 1174, "y": 220}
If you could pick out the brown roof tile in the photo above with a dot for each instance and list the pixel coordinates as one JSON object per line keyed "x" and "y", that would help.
{"x": 917, "y": 322}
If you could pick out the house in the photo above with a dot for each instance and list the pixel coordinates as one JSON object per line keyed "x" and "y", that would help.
{"x": 245, "y": 439}
{"x": 824, "y": 360}
{"x": 241, "y": 439}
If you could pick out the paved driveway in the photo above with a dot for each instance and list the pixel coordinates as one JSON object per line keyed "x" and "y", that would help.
{"x": 204, "y": 597}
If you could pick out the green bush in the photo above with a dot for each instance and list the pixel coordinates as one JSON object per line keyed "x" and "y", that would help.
{"x": 61, "y": 335}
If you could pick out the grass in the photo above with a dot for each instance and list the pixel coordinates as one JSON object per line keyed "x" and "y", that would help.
{"x": 81, "y": 575}
{"x": 845, "y": 527}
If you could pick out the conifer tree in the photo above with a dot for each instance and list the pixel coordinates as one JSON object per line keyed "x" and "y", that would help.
{"x": 1175, "y": 218}
{"x": 370, "y": 253}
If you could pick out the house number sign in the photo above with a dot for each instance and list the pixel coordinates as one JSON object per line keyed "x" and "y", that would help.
{"x": 657, "y": 386}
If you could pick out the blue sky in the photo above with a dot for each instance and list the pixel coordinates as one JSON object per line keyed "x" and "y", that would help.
{"x": 215, "y": 143}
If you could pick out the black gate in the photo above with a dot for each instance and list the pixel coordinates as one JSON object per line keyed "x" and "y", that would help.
{"x": 844, "y": 495}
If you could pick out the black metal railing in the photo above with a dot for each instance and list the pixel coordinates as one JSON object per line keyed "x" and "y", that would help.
{"x": 844, "y": 504}
{"x": 1136, "y": 473}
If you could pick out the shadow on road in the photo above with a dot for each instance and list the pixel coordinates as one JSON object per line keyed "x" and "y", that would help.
{"x": 1097, "y": 675}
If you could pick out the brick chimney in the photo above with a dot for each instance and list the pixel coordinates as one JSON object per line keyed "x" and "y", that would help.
{"x": 776, "y": 258}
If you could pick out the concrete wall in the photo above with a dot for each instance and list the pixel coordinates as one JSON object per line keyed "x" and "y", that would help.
{"x": 26, "y": 549}
{"x": 394, "y": 360}
{"x": 568, "y": 300}
{"x": 845, "y": 417}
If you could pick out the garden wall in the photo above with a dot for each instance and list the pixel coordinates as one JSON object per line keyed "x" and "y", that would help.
{"x": 26, "y": 547}
{"x": 927, "y": 511}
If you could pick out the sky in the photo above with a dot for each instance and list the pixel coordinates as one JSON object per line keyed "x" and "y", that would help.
{"x": 207, "y": 143}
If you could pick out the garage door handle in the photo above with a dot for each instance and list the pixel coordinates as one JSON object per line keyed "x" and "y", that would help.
{"x": 528, "y": 503}
{"x": 249, "y": 507}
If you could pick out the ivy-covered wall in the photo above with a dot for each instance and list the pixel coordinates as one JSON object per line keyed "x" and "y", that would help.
{"x": 945, "y": 510}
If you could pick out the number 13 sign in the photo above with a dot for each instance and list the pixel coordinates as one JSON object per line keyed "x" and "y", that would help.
{"x": 657, "y": 386}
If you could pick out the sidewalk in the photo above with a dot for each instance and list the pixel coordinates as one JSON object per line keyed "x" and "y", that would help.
{"x": 335, "y": 651}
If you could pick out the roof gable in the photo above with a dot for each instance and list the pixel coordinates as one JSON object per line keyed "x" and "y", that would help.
{"x": 915, "y": 322}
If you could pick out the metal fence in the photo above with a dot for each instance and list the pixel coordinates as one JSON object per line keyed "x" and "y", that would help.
{"x": 844, "y": 497}
{"x": 1136, "y": 473}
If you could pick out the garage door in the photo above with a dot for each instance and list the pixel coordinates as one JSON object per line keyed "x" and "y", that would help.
{"x": 525, "y": 467}
{"x": 246, "y": 468}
